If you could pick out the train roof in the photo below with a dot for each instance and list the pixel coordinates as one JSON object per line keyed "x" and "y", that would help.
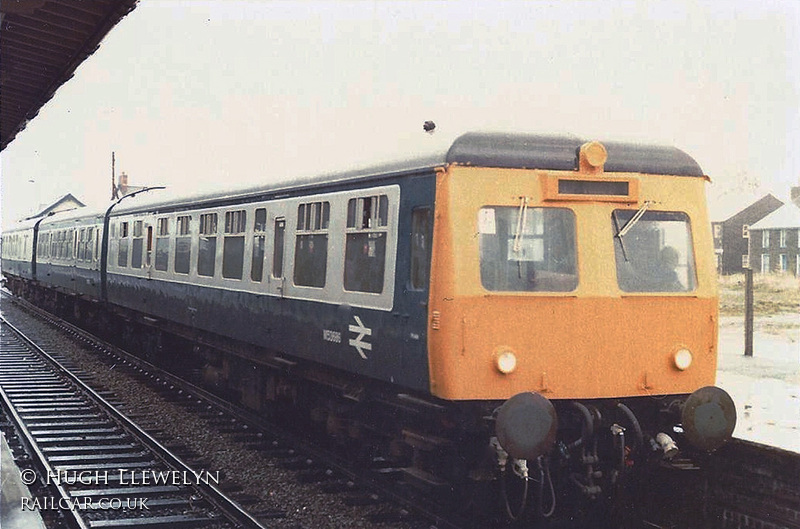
{"x": 480, "y": 149}
{"x": 560, "y": 153}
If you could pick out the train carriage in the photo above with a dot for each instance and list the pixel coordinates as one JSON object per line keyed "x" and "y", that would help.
{"x": 542, "y": 305}
{"x": 68, "y": 253}
{"x": 17, "y": 252}
{"x": 295, "y": 269}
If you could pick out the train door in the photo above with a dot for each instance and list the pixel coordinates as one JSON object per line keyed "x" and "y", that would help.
{"x": 72, "y": 257}
{"x": 148, "y": 259}
{"x": 279, "y": 245}
{"x": 276, "y": 264}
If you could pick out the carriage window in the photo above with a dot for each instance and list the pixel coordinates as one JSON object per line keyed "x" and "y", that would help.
{"x": 162, "y": 245}
{"x": 137, "y": 245}
{"x": 122, "y": 257}
{"x": 81, "y": 244}
{"x": 259, "y": 238}
{"x": 233, "y": 244}
{"x": 420, "y": 247}
{"x": 311, "y": 246}
{"x": 44, "y": 245}
{"x": 207, "y": 247}
{"x": 365, "y": 248}
{"x": 527, "y": 249}
{"x": 183, "y": 245}
{"x": 90, "y": 240}
{"x": 260, "y": 222}
{"x": 655, "y": 253}
{"x": 84, "y": 251}
{"x": 71, "y": 244}
{"x": 277, "y": 255}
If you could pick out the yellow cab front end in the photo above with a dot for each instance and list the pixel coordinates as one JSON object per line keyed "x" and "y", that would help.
{"x": 578, "y": 284}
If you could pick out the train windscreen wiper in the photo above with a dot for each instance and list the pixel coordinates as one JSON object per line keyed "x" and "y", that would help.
{"x": 522, "y": 217}
{"x": 618, "y": 236}
{"x": 628, "y": 225}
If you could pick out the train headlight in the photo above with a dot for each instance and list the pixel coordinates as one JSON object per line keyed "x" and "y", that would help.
{"x": 505, "y": 361}
{"x": 594, "y": 153}
{"x": 682, "y": 359}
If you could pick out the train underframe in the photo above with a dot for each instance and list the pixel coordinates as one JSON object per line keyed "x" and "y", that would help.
{"x": 610, "y": 461}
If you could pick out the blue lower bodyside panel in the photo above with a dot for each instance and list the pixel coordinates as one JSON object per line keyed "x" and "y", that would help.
{"x": 384, "y": 344}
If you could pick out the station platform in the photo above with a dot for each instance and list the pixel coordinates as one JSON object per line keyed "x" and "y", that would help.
{"x": 12, "y": 490}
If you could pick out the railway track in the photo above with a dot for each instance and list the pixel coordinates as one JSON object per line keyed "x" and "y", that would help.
{"x": 102, "y": 470}
{"x": 371, "y": 491}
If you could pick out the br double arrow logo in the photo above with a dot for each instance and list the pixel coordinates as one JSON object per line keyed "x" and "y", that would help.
{"x": 358, "y": 342}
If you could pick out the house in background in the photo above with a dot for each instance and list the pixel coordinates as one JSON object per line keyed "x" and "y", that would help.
{"x": 775, "y": 242}
{"x": 731, "y": 235}
{"x": 65, "y": 203}
{"x": 123, "y": 188}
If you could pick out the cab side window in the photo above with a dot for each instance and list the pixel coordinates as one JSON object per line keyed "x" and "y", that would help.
{"x": 420, "y": 248}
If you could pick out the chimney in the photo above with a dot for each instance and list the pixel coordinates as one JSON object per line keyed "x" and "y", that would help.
{"x": 123, "y": 184}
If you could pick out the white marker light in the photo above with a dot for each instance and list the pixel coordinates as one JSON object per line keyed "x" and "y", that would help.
{"x": 506, "y": 362}
{"x": 683, "y": 359}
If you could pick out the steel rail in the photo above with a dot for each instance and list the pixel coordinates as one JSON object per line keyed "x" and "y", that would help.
{"x": 211, "y": 493}
{"x": 249, "y": 417}
{"x": 41, "y": 462}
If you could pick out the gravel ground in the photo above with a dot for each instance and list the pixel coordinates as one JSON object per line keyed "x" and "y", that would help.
{"x": 258, "y": 474}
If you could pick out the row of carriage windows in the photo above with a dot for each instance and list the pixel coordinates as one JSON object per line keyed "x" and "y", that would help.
{"x": 14, "y": 246}
{"x": 365, "y": 244}
{"x": 81, "y": 244}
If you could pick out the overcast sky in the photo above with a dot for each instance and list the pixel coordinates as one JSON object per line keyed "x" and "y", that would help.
{"x": 227, "y": 93}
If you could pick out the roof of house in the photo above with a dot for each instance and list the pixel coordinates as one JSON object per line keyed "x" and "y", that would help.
{"x": 787, "y": 216}
{"x": 723, "y": 211}
{"x": 69, "y": 197}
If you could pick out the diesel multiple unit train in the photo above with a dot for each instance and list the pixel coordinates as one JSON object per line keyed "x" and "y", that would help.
{"x": 531, "y": 315}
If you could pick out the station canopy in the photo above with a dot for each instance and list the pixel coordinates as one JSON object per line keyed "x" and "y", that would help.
{"x": 42, "y": 43}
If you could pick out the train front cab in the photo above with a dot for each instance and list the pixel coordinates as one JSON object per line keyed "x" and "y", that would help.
{"x": 547, "y": 283}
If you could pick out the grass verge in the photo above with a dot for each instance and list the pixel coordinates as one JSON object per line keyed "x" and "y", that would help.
{"x": 772, "y": 295}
